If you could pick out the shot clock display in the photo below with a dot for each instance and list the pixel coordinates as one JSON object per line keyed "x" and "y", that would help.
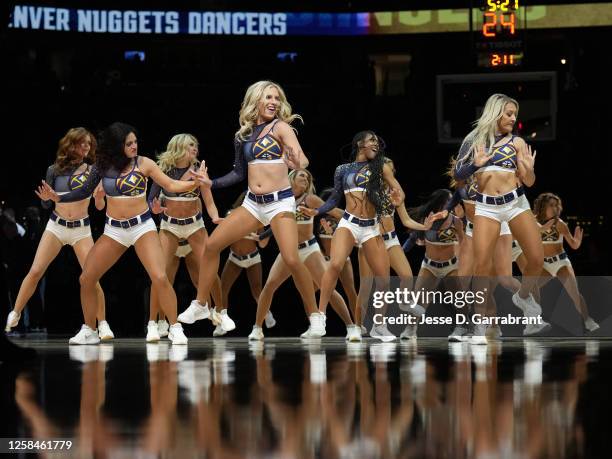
{"x": 499, "y": 42}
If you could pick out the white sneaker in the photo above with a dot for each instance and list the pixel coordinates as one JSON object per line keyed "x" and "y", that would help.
{"x": 410, "y": 332}
{"x": 162, "y": 328}
{"x": 225, "y": 321}
{"x": 219, "y": 331}
{"x": 382, "y": 333}
{"x": 528, "y": 305}
{"x": 104, "y": 331}
{"x": 152, "y": 332}
{"x": 193, "y": 313}
{"x": 317, "y": 325}
{"x": 176, "y": 335}
{"x": 308, "y": 334}
{"x": 215, "y": 317}
{"x": 532, "y": 329}
{"x": 479, "y": 336}
{"x": 590, "y": 324}
{"x": 353, "y": 334}
{"x": 85, "y": 336}
{"x": 412, "y": 308}
{"x": 458, "y": 335}
{"x": 12, "y": 320}
{"x": 417, "y": 310}
{"x": 270, "y": 321}
{"x": 256, "y": 334}
{"x": 364, "y": 331}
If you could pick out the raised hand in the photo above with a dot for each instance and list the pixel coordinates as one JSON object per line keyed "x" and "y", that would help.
{"x": 308, "y": 211}
{"x": 156, "y": 206}
{"x": 99, "y": 192}
{"x": 431, "y": 218}
{"x": 396, "y": 197}
{"x": 327, "y": 226}
{"x": 480, "y": 155}
{"x": 526, "y": 157}
{"x": 46, "y": 193}
{"x": 578, "y": 233}
{"x": 201, "y": 175}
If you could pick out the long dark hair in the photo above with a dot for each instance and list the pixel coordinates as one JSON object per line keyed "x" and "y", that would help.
{"x": 435, "y": 202}
{"x": 375, "y": 188}
{"x": 111, "y": 148}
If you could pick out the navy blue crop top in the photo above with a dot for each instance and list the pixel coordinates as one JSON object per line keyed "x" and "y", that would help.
{"x": 436, "y": 235}
{"x": 467, "y": 193}
{"x": 504, "y": 159}
{"x": 132, "y": 184}
{"x": 67, "y": 181}
{"x": 175, "y": 173}
{"x": 442, "y": 236}
{"x": 348, "y": 178}
{"x": 300, "y": 217}
{"x": 257, "y": 149}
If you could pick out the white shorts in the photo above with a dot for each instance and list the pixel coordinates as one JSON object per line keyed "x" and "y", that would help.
{"x": 129, "y": 235}
{"x": 516, "y": 250}
{"x": 502, "y": 212}
{"x": 439, "y": 269}
{"x": 503, "y": 230}
{"x": 553, "y": 264}
{"x": 390, "y": 239}
{"x": 268, "y": 205}
{"x": 308, "y": 248}
{"x": 183, "y": 249}
{"x": 182, "y": 228}
{"x": 361, "y": 229}
{"x": 245, "y": 261}
{"x": 70, "y": 233}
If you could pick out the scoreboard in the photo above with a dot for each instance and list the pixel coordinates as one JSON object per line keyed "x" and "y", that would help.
{"x": 499, "y": 34}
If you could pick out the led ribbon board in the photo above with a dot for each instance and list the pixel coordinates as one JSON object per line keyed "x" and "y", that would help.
{"x": 95, "y": 21}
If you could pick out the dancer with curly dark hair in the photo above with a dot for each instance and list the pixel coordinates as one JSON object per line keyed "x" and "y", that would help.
{"x": 363, "y": 182}
{"x": 128, "y": 222}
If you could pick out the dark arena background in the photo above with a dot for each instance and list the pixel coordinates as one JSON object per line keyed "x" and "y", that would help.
{"x": 415, "y": 72}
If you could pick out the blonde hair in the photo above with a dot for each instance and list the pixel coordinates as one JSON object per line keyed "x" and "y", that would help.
{"x": 176, "y": 149}
{"x": 485, "y": 126}
{"x": 249, "y": 110}
{"x": 310, "y": 189}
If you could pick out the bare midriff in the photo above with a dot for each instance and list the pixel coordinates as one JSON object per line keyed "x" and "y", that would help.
{"x": 496, "y": 183}
{"x": 72, "y": 210}
{"x": 268, "y": 178}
